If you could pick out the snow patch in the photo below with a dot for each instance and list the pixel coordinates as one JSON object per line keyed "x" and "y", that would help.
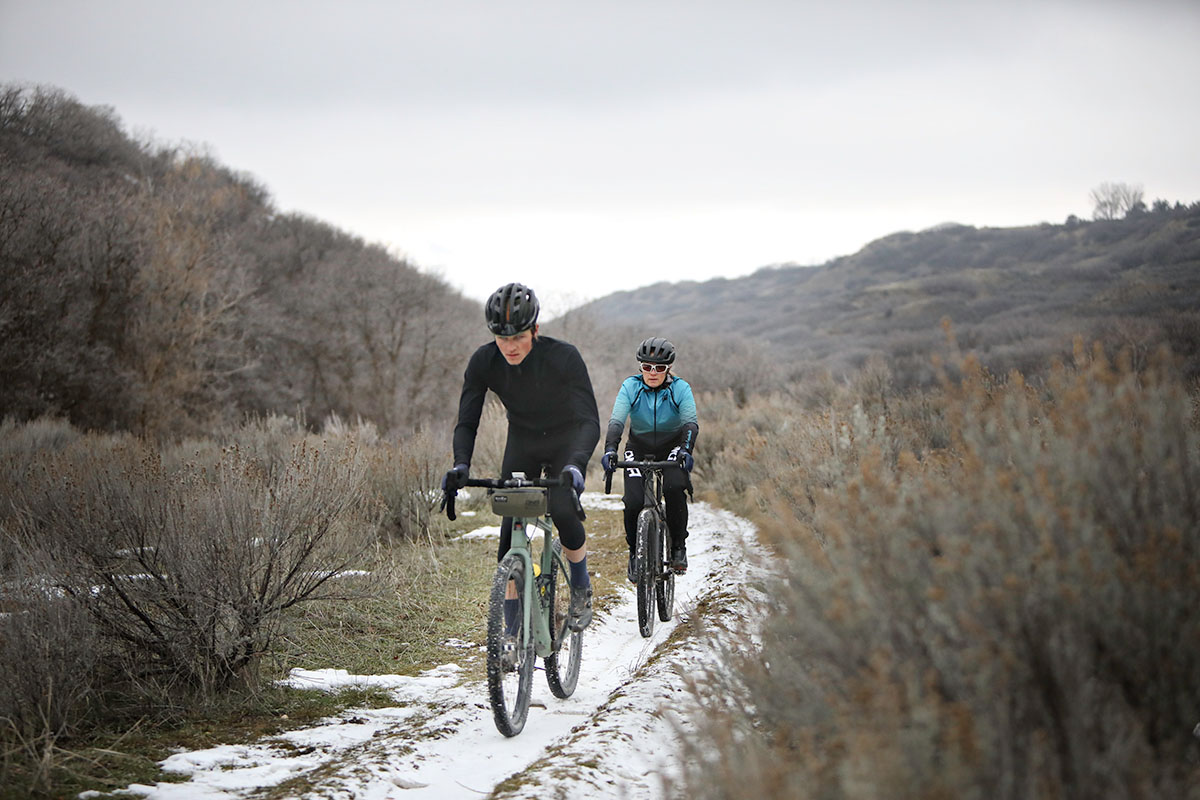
{"x": 616, "y": 737}
{"x": 487, "y": 532}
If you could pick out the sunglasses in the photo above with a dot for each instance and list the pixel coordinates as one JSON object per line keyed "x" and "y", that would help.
{"x": 654, "y": 367}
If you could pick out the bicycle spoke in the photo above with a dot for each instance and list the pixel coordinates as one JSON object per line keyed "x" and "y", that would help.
{"x": 666, "y": 582}
{"x": 510, "y": 654}
{"x": 562, "y": 665}
{"x": 647, "y": 568}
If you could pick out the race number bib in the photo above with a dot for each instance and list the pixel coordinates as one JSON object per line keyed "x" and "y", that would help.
{"x": 635, "y": 472}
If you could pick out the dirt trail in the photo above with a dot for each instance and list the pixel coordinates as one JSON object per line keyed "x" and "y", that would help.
{"x": 612, "y": 738}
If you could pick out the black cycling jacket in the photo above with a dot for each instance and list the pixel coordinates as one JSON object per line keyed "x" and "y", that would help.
{"x": 548, "y": 393}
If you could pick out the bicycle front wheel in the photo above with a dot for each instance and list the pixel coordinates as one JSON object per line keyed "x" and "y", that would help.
{"x": 562, "y": 665}
{"x": 666, "y": 582}
{"x": 509, "y": 662}
{"x": 648, "y": 559}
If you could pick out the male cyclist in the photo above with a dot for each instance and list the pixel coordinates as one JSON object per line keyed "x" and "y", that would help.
{"x": 662, "y": 426}
{"x": 552, "y": 419}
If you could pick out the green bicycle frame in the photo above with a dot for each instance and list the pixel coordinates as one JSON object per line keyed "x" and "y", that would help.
{"x": 537, "y": 585}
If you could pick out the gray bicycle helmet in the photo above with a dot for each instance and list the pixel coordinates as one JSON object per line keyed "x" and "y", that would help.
{"x": 511, "y": 309}
{"x": 656, "y": 350}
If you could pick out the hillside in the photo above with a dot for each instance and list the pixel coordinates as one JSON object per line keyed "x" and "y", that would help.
{"x": 976, "y": 588}
{"x": 151, "y": 289}
{"x": 1014, "y": 296}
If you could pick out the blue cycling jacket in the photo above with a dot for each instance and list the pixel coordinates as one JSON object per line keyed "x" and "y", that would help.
{"x": 658, "y": 418}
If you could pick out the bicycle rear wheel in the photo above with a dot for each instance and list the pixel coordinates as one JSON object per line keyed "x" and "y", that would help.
{"x": 666, "y": 582}
{"x": 509, "y": 670}
{"x": 562, "y": 665}
{"x": 648, "y": 560}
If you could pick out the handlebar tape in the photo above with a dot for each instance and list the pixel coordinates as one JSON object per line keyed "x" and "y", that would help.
{"x": 647, "y": 464}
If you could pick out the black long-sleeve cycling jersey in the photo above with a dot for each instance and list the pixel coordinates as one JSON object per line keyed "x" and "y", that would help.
{"x": 548, "y": 393}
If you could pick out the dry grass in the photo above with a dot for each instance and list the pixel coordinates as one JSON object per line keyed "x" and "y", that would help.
{"x": 1011, "y": 616}
{"x": 84, "y": 510}
{"x": 138, "y": 582}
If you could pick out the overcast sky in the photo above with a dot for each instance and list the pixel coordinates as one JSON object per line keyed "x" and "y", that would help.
{"x": 588, "y": 147}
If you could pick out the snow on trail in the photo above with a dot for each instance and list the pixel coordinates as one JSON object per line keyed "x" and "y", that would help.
{"x": 613, "y": 738}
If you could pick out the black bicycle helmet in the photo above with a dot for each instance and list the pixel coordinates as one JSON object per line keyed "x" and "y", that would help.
{"x": 656, "y": 350}
{"x": 511, "y": 309}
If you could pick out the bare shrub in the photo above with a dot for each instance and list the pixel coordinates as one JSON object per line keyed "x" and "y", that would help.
{"x": 1013, "y": 618}
{"x": 35, "y": 436}
{"x": 405, "y": 478}
{"x": 186, "y": 573}
{"x": 873, "y": 384}
{"x": 780, "y": 447}
{"x": 142, "y": 580}
{"x": 489, "y": 443}
{"x": 755, "y": 452}
{"x": 267, "y": 440}
{"x": 49, "y": 655}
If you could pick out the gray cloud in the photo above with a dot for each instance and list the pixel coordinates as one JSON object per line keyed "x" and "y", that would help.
{"x": 431, "y": 125}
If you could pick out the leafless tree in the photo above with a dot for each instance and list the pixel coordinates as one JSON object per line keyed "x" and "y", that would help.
{"x": 1115, "y": 200}
{"x": 155, "y": 290}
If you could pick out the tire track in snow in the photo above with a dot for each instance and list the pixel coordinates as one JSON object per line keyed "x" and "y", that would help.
{"x": 613, "y": 738}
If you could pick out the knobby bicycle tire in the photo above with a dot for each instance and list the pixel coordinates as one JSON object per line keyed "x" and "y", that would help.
{"x": 509, "y": 689}
{"x": 562, "y": 665}
{"x": 666, "y": 580}
{"x": 647, "y": 563}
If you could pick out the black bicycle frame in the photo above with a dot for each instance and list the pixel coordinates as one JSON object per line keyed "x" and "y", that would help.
{"x": 655, "y": 468}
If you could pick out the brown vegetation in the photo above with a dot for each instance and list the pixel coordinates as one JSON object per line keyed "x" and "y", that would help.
{"x": 1017, "y": 297}
{"x": 152, "y": 290}
{"x": 987, "y": 584}
{"x": 986, "y": 591}
{"x": 135, "y": 579}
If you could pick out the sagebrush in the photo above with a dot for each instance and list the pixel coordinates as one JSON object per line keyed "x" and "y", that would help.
{"x": 137, "y": 577}
{"x": 1010, "y": 615}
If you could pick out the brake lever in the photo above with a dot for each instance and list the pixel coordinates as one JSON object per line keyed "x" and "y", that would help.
{"x": 578, "y": 504}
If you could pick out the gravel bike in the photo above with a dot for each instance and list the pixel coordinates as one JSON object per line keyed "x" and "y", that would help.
{"x": 655, "y": 578}
{"x": 528, "y": 607}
